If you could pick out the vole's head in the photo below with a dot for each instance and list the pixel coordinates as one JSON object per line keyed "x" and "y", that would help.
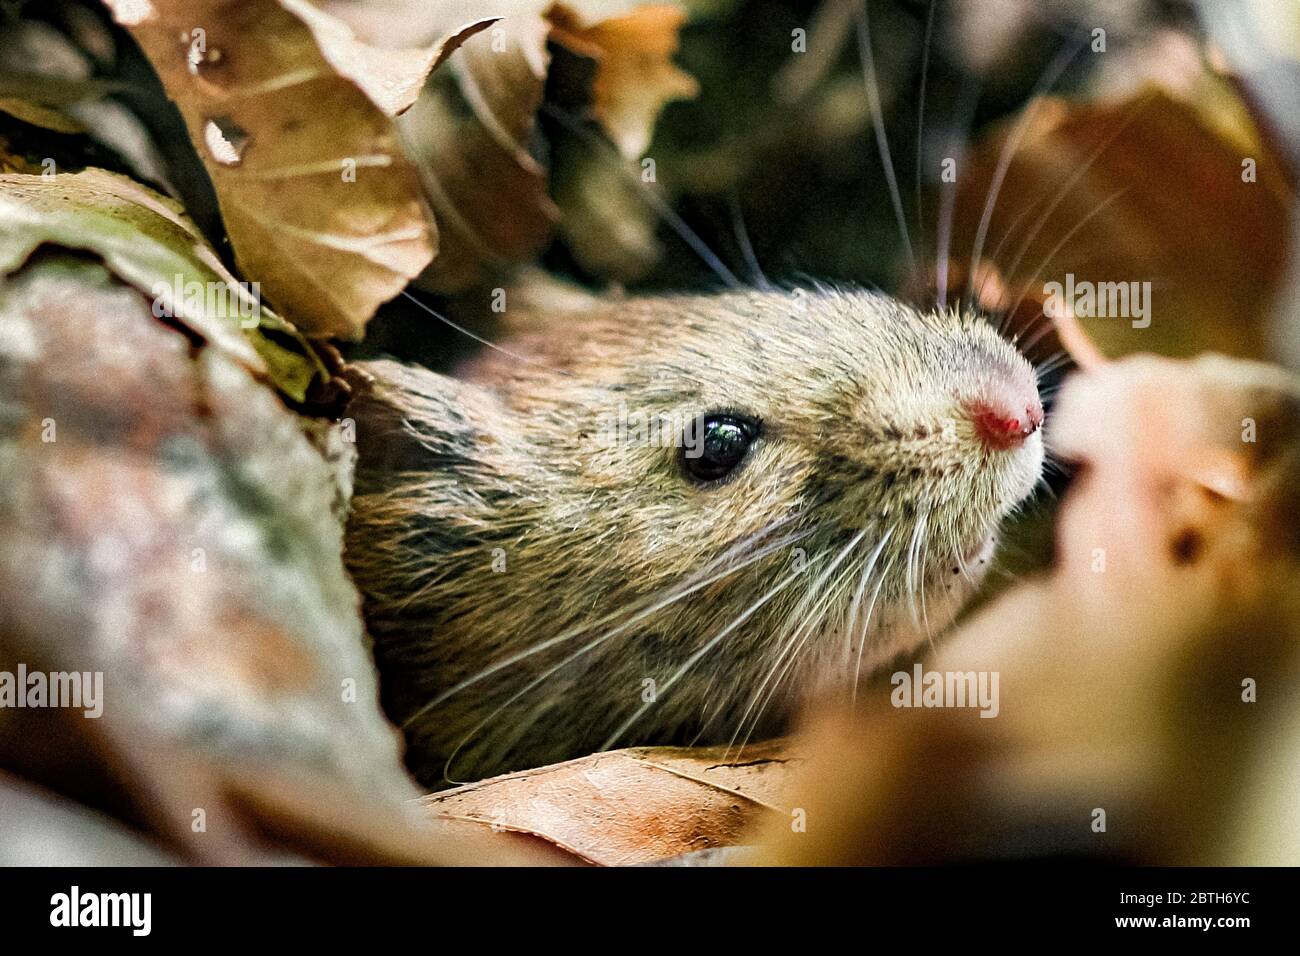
{"x": 733, "y": 497}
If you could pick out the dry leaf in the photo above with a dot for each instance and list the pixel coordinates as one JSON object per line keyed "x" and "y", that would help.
{"x": 609, "y": 215}
{"x": 631, "y": 806}
{"x": 320, "y": 205}
{"x": 166, "y": 522}
{"x": 1150, "y": 188}
{"x": 488, "y": 192}
{"x": 635, "y": 76}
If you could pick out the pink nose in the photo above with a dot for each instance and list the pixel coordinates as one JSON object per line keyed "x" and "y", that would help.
{"x": 1003, "y": 424}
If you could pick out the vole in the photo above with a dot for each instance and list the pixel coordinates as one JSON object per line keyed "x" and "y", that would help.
{"x": 540, "y": 585}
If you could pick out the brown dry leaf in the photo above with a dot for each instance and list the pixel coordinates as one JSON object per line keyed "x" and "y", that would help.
{"x": 635, "y": 76}
{"x": 320, "y": 205}
{"x": 1144, "y": 187}
{"x": 1122, "y": 674}
{"x": 631, "y": 806}
{"x": 608, "y": 219}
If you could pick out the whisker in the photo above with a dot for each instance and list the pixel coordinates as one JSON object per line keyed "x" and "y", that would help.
{"x": 922, "y": 523}
{"x": 993, "y": 257}
{"x": 780, "y": 667}
{"x": 878, "y": 121}
{"x": 871, "y": 607}
{"x": 747, "y": 247}
{"x": 479, "y": 339}
{"x": 909, "y": 573}
{"x": 813, "y": 591}
{"x": 960, "y": 559}
{"x": 1044, "y": 483}
{"x": 1047, "y": 368}
{"x": 968, "y": 100}
{"x": 803, "y": 633}
{"x": 694, "y": 658}
{"x": 1041, "y": 367}
{"x": 477, "y": 728}
{"x": 1050, "y": 75}
{"x": 585, "y": 649}
{"x": 1064, "y": 191}
{"x": 1070, "y": 234}
{"x": 858, "y": 594}
{"x": 1034, "y": 339}
{"x": 690, "y": 587}
{"x": 920, "y": 121}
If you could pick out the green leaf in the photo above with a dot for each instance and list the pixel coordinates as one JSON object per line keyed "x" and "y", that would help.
{"x": 148, "y": 242}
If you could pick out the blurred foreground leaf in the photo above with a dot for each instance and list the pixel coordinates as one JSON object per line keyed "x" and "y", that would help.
{"x": 1147, "y": 700}
{"x": 1171, "y": 187}
{"x": 168, "y": 524}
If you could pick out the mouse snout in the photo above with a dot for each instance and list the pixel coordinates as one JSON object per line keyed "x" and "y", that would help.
{"x": 1004, "y": 419}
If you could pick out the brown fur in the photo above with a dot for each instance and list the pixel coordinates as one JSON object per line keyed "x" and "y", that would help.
{"x": 862, "y": 431}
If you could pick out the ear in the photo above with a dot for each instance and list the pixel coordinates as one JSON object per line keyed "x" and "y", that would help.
{"x": 411, "y": 420}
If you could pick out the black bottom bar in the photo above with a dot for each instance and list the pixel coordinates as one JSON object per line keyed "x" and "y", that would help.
{"x": 977, "y": 903}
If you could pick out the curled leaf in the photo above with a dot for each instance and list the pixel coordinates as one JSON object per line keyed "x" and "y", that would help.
{"x": 477, "y": 164}
{"x": 391, "y": 77}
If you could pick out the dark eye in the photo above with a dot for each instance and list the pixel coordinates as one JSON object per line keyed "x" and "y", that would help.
{"x": 716, "y": 444}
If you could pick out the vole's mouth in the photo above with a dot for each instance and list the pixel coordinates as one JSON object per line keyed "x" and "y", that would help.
{"x": 979, "y": 556}
{"x": 968, "y": 567}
